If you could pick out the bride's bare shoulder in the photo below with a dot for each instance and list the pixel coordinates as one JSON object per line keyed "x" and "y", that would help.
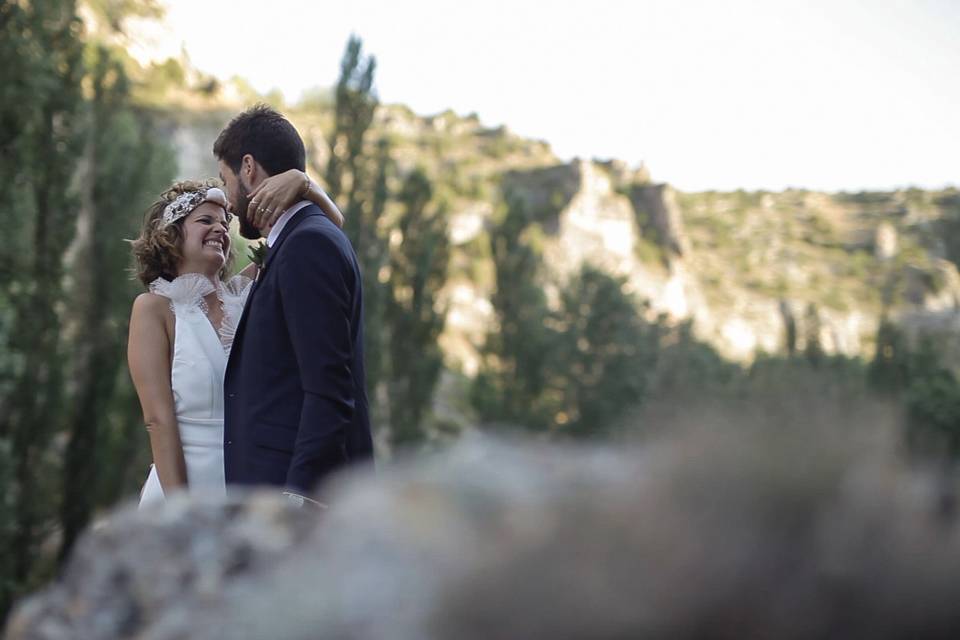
{"x": 151, "y": 309}
{"x": 150, "y": 304}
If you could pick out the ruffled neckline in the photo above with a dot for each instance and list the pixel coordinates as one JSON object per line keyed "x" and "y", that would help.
{"x": 234, "y": 294}
{"x": 187, "y": 293}
{"x": 188, "y": 288}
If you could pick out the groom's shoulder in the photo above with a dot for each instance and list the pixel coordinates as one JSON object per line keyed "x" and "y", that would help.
{"x": 317, "y": 222}
{"x": 315, "y": 231}
{"x": 318, "y": 228}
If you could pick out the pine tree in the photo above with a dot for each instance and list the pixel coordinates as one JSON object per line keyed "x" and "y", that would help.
{"x": 889, "y": 371}
{"x": 813, "y": 350}
{"x": 418, "y": 269}
{"x": 79, "y": 171}
{"x": 357, "y": 180}
{"x": 572, "y": 370}
{"x": 374, "y": 256}
{"x": 356, "y": 103}
{"x": 517, "y": 359}
{"x": 609, "y": 353}
{"x": 127, "y": 163}
{"x": 40, "y": 108}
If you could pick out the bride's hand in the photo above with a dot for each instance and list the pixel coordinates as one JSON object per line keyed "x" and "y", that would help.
{"x": 275, "y": 194}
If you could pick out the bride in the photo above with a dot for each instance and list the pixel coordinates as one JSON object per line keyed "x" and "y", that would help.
{"x": 181, "y": 330}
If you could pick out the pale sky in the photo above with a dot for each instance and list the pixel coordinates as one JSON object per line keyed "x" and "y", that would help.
{"x": 753, "y": 94}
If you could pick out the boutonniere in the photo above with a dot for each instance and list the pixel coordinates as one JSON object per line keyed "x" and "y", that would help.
{"x": 258, "y": 253}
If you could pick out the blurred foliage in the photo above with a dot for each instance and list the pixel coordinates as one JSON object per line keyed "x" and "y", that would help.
{"x": 914, "y": 372}
{"x": 401, "y": 239}
{"x": 127, "y": 165}
{"x": 606, "y": 353}
{"x": 116, "y": 13}
{"x": 512, "y": 384}
{"x": 418, "y": 271}
{"x": 357, "y": 179}
{"x": 571, "y": 370}
{"x": 41, "y": 133}
{"x": 81, "y": 162}
{"x": 578, "y": 362}
{"x": 948, "y": 226}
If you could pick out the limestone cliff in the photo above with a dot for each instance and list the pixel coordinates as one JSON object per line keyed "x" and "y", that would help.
{"x": 755, "y": 272}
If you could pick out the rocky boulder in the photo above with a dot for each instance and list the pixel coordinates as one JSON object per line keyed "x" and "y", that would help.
{"x": 721, "y": 533}
{"x": 139, "y": 569}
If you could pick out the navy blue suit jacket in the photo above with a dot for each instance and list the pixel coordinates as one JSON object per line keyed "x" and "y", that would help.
{"x": 296, "y": 404}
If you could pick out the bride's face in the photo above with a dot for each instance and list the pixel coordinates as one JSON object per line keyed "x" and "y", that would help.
{"x": 206, "y": 240}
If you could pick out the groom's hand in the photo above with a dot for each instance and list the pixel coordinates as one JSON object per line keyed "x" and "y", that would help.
{"x": 300, "y": 501}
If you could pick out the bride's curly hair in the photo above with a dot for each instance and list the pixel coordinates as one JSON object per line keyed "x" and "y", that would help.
{"x": 159, "y": 249}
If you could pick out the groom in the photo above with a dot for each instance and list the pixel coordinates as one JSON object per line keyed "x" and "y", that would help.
{"x": 295, "y": 406}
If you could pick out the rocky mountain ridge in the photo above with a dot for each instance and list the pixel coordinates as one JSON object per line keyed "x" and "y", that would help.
{"x": 754, "y": 271}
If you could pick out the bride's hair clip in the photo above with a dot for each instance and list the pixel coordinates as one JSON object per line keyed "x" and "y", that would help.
{"x": 186, "y": 202}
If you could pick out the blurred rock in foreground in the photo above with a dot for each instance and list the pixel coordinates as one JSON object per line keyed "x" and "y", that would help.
{"x": 746, "y": 534}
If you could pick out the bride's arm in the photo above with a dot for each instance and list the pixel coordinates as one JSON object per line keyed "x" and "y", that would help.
{"x": 277, "y": 193}
{"x": 148, "y": 355}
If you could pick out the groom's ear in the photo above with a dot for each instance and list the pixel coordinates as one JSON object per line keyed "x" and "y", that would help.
{"x": 248, "y": 168}
{"x": 252, "y": 172}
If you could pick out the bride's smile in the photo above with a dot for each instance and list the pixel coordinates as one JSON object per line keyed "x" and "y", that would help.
{"x": 206, "y": 242}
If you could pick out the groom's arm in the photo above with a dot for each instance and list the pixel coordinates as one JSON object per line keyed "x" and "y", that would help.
{"x": 317, "y": 281}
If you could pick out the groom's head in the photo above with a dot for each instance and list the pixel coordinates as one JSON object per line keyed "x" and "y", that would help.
{"x": 256, "y": 144}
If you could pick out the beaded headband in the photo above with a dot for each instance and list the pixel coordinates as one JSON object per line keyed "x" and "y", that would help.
{"x": 185, "y": 203}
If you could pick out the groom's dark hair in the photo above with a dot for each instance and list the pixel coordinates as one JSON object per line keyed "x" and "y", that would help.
{"x": 266, "y": 135}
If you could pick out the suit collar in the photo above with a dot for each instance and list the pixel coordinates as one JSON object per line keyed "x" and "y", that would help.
{"x": 298, "y": 217}
{"x": 291, "y": 224}
{"x": 283, "y": 220}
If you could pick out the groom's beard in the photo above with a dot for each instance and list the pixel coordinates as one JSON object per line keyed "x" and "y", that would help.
{"x": 247, "y": 230}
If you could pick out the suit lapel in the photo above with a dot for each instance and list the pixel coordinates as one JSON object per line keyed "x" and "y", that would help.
{"x": 300, "y": 216}
{"x": 235, "y": 347}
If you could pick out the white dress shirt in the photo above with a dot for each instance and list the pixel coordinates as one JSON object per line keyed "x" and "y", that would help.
{"x": 283, "y": 220}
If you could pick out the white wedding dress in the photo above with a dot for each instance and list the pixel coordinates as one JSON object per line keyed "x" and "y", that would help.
{"x": 198, "y": 366}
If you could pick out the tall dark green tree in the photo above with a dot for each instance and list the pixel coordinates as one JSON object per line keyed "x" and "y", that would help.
{"x": 933, "y": 405}
{"x": 813, "y": 350}
{"x": 889, "y": 371}
{"x": 40, "y": 146}
{"x": 81, "y": 163}
{"x": 608, "y": 356}
{"x": 126, "y": 163}
{"x": 572, "y": 370}
{"x": 357, "y": 179}
{"x": 418, "y": 269}
{"x": 947, "y": 228}
{"x": 517, "y": 356}
{"x": 915, "y": 373}
{"x": 355, "y": 106}
{"x": 374, "y": 255}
